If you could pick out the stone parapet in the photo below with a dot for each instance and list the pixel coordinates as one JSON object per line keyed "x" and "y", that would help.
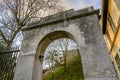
{"x": 65, "y": 15}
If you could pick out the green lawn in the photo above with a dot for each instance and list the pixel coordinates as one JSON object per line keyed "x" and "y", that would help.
{"x": 74, "y": 71}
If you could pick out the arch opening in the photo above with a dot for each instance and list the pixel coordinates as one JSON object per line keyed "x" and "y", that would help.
{"x": 44, "y": 43}
{"x": 62, "y": 60}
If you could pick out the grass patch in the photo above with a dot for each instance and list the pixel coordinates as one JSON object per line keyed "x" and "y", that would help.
{"x": 74, "y": 71}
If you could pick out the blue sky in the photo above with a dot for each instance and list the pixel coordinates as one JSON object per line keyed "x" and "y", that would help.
{"x": 79, "y": 4}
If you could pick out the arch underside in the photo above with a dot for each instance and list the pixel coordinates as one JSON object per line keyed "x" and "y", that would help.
{"x": 38, "y": 66}
{"x": 51, "y": 37}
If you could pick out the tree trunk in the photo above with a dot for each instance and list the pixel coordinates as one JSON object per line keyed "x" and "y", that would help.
{"x": 9, "y": 45}
{"x": 65, "y": 61}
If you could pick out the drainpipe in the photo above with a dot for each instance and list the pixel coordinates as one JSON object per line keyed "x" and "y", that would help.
{"x": 104, "y": 13}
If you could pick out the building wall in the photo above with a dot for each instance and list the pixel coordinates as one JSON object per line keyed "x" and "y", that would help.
{"x": 112, "y": 35}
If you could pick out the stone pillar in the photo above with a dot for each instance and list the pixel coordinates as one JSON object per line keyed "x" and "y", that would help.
{"x": 94, "y": 54}
{"x": 96, "y": 63}
{"x": 24, "y": 68}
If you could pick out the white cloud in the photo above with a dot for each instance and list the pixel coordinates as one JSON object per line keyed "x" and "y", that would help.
{"x": 65, "y": 4}
{"x": 79, "y": 4}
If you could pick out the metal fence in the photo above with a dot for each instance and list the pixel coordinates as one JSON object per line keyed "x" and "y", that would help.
{"x": 8, "y": 60}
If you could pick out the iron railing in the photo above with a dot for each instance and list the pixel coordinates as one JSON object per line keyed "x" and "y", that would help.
{"x": 8, "y": 60}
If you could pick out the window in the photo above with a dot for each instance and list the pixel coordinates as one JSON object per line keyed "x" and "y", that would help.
{"x": 117, "y": 59}
{"x": 108, "y": 36}
{"x": 117, "y": 3}
{"x": 111, "y": 23}
{"x": 119, "y": 22}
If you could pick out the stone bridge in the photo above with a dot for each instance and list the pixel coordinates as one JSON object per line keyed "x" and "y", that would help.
{"x": 83, "y": 27}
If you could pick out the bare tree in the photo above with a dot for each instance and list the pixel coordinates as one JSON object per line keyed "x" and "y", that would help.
{"x": 60, "y": 48}
{"x": 2, "y": 48}
{"x": 63, "y": 46}
{"x": 16, "y": 14}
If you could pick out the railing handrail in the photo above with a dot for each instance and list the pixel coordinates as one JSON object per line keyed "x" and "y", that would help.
{"x": 5, "y": 52}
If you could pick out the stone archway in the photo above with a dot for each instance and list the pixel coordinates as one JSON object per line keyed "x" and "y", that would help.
{"x": 42, "y": 47}
{"x": 81, "y": 26}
